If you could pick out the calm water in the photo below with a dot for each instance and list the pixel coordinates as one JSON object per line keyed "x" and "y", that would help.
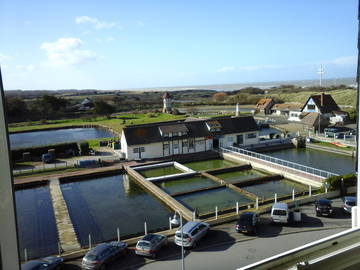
{"x": 36, "y": 222}
{"x": 318, "y": 159}
{"x": 209, "y": 164}
{"x": 207, "y": 201}
{"x": 233, "y": 177}
{"x": 98, "y": 206}
{"x": 37, "y": 138}
{"x": 281, "y": 187}
{"x": 160, "y": 171}
{"x": 186, "y": 184}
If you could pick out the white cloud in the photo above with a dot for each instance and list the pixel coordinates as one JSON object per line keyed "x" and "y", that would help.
{"x": 226, "y": 69}
{"x": 97, "y": 24}
{"x": 29, "y": 67}
{"x": 67, "y": 52}
{"x": 345, "y": 61}
{"x": 140, "y": 23}
{"x": 4, "y": 66}
{"x": 4, "y": 57}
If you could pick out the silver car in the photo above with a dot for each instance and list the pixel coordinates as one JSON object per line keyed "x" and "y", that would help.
{"x": 349, "y": 202}
{"x": 102, "y": 254}
{"x": 150, "y": 244}
{"x": 192, "y": 232}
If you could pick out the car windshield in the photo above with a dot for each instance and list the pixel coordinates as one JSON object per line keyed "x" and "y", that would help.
{"x": 279, "y": 212}
{"x": 143, "y": 244}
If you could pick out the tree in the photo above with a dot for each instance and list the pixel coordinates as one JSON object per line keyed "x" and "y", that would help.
{"x": 103, "y": 108}
{"x": 219, "y": 96}
{"x": 16, "y": 108}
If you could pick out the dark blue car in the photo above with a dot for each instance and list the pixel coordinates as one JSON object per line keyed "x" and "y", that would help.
{"x": 48, "y": 263}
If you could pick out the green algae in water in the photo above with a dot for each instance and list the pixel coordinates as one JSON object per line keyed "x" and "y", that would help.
{"x": 207, "y": 201}
{"x": 209, "y": 164}
{"x": 168, "y": 170}
{"x": 281, "y": 188}
{"x": 233, "y": 177}
{"x": 186, "y": 184}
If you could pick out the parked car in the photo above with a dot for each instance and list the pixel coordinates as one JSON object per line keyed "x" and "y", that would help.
{"x": 247, "y": 222}
{"x": 331, "y": 132}
{"x": 323, "y": 207}
{"x": 349, "y": 202}
{"x": 150, "y": 244}
{"x": 192, "y": 231}
{"x": 280, "y": 213}
{"x": 102, "y": 254}
{"x": 48, "y": 263}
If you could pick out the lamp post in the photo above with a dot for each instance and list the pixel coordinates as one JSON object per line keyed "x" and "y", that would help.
{"x": 182, "y": 245}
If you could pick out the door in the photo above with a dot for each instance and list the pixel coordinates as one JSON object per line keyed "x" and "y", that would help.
{"x": 216, "y": 143}
{"x": 240, "y": 139}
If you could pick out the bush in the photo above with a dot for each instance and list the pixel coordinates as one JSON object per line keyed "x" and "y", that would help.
{"x": 335, "y": 181}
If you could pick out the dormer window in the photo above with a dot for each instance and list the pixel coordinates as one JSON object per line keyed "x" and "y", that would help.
{"x": 213, "y": 126}
{"x": 173, "y": 130}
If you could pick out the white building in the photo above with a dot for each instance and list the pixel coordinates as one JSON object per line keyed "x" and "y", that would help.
{"x": 182, "y": 137}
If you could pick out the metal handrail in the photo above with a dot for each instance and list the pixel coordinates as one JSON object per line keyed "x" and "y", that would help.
{"x": 282, "y": 162}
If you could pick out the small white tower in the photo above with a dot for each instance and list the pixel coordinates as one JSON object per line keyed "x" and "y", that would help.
{"x": 167, "y": 103}
{"x": 237, "y": 112}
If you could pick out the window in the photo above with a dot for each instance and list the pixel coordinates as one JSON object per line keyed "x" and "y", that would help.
{"x": 176, "y": 146}
{"x": 184, "y": 144}
{"x": 166, "y": 146}
{"x": 200, "y": 142}
{"x": 142, "y": 149}
{"x": 311, "y": 107}
{"x": 136, "y": 150}
{"x": 230, "y": 139}
{"x": 165, "y": 135}
{"x": 251, "y": 135}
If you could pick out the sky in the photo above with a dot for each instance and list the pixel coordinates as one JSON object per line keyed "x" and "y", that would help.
{"x": 113, "y": 44}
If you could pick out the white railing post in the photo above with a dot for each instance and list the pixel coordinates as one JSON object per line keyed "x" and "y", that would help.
{"x": 293, "y": 194}
{"x": 194, "y": 216}
{"x": 216, "y": 212}
{"x": 275, "y": 198}
{"x": 118, "y": 234}
{"x": 170, "y": 225}
{"x": 89, "y": 241}
{"x": 145, "y": 227}
{"x": 25, "y": 255}
{"x": 326, "y": 190}
{"x": 237, "y": 208}
{"x": 257, "y": 203}
{"x": 309, "y": 191}
{"x": 59, "y": 248}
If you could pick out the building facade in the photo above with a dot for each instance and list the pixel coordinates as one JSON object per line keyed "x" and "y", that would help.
{"x": 183, "y": 137}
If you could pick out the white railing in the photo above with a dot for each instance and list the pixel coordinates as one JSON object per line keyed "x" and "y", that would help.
{"x": 282, "y": 162}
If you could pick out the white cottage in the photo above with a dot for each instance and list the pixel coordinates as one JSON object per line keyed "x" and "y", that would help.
{"x": 182, "y": 137}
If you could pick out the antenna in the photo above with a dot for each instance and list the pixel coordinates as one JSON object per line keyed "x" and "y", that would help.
{"x": 321, "y": 72}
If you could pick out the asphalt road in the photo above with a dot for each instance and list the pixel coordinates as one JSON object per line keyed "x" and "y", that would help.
{"x": 223, "y": 248}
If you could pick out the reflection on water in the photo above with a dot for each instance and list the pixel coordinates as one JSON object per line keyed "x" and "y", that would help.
{"x": 322, "y": 160}
{"x": 160, "y": 171}
{"x": 37, "y": 138}
{"x": 186, "y": 184}
{"x": 209, "y": 164}
{"x": 99, "y": 206}
{"x": 281, "y": 188}
{"x": 208, "y": 200}
{"x": 233, "y": 177}
{"x": 37, "y": 230}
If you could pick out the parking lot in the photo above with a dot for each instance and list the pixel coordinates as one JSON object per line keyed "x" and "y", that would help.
{"x": 225, "y": 235}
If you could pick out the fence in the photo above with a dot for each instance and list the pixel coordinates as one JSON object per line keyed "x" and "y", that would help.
{"x": 44, "y": 167}
{"x": 281, "y": 162}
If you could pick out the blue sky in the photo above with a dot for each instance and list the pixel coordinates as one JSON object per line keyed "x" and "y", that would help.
{"x": 131, "y": 44}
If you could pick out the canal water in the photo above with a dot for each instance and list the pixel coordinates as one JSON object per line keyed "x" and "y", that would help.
{"x": 36, "y": 222}
{"x": 168, "y": 170}
{"x": 186, "y": 184}
{"x": 207, "y": 201}
{"x": 98, "y": 206}
{"x": 233, "y": 177}
{"x": 281, "y": 188}
{"x": 322, "y": 160}
{"x": 46, "y": 137}
{"x": 209, "y": 164}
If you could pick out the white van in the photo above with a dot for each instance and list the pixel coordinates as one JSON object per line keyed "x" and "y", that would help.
{"x": 280, "y": 213}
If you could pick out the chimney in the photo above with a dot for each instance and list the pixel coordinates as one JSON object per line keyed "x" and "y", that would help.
{"x": 322, "y": 99}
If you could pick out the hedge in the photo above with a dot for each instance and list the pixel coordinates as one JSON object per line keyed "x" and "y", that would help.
{"x": 335, "y": 181}
{"x": 16, "y": 154}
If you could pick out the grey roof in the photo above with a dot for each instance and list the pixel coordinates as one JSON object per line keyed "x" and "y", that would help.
{"x": 150, "y": 133}
{"x": 173, "y": 128}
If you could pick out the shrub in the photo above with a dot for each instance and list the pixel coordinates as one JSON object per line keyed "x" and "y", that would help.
{"x": 83, "y": 147}
{"x": 335, "y": 181}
